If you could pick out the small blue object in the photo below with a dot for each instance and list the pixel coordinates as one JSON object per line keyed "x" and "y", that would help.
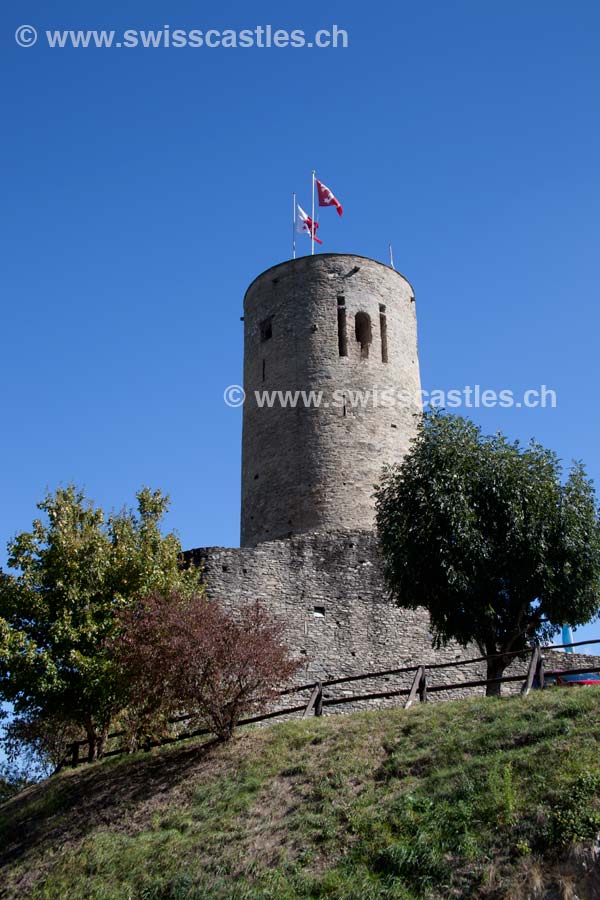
{"x": 567, "y": 638}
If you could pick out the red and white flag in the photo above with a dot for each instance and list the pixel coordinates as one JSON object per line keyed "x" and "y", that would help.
{"x": 305, "y": 225}
{"x": 326, "y": 197}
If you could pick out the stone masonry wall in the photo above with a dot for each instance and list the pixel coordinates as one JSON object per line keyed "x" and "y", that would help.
{"x": 328, "y": 591}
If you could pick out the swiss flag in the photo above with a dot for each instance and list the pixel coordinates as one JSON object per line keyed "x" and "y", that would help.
{"x": 326, "y": 197}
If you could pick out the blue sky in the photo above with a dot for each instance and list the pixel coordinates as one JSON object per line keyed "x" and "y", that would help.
{"x": 145, "y": 188}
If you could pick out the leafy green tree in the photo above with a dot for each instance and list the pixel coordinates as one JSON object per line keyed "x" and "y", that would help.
{"x": 74, "y": 570}
{"x": 486, "y": 535}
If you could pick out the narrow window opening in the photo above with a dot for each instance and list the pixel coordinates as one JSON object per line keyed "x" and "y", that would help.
{"x": 266, "y": 329}
{"x": 342, "y": 332}
{"x": 383, "y": 332}
{"x": 319, "y": 612}
{"x": 364, "y": 335}
{"x": 264, "y": 369}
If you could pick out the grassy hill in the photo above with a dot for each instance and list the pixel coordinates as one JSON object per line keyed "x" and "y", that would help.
{"x": 479, "y": 798}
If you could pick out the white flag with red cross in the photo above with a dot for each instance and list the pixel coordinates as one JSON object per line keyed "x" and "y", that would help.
{"x": 305, "y": 225}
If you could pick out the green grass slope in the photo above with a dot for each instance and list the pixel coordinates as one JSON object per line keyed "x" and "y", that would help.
{"x": 479, "y": 798}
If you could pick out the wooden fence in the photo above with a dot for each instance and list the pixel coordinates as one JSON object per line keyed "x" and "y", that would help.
{"x": 418, "y": 691}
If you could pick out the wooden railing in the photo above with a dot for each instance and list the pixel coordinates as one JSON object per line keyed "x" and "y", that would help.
{"x": 419, "y": 689}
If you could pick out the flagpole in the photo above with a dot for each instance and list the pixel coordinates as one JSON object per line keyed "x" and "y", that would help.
{"x": 294, "y": 228}
{"x": 312, "y": 229}
{"x": 392, "y": 258}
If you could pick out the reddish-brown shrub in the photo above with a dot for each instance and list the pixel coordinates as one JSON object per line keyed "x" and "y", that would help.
{"x": 179, "y": 655}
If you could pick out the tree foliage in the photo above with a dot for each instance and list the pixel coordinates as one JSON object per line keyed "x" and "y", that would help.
{"x": 180, "y": 654}
{"x": 486, "y": 535}
{"x": 13, "y": 779}
{"x": 72, "y": 572}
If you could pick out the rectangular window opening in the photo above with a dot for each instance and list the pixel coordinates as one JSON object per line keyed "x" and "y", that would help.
{"x": 266, "y": 329}
{"x": 319, "y": 612}
{"x": 342, "y": 329}
{"x": 383, "y": 330}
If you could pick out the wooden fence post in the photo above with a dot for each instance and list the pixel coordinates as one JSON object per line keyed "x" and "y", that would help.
{"x": 540, "y": 672}
{"x": 423, "y": 687}
{"x": 315, "y": 702}
{"x": 415, "y": 687}
{"x": 531, "y": 671}
{"x": 319, "y": 701}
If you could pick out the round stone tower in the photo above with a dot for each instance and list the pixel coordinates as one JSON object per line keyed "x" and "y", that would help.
{"x": 341, "y": 329}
